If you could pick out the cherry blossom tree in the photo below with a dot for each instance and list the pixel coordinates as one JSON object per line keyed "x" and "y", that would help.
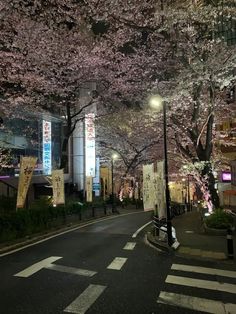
{"x": 131, "y": 50}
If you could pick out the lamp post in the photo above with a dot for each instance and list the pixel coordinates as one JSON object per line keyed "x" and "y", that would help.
{"x": 156, "y": 102}
{"x": 189, "y": 201}
{"x": 114, "y": 156}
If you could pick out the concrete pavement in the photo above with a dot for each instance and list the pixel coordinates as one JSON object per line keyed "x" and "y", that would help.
{"x": 193, "y": 239}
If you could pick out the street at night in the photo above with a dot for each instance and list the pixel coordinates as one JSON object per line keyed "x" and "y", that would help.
{"x": 101, "y": 268}
{"x": 117, "y": 156}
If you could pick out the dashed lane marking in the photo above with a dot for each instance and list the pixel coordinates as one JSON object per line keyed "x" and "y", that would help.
{"x": 71, "y": 270}
{"x": 117, "y": 263}
{"x": 129, "y": 246}
{"x": 84, "y": 301}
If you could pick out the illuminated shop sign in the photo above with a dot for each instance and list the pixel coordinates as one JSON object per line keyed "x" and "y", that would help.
{"x": 90, "y": 158}
{"x": 47, "y": 148}
{"x": 226, "y": 176}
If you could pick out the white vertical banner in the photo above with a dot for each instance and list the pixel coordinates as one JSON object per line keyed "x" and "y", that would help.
{"x": 136, "y": 191}
{"x": 89, "y": 188}
{"x": 148, "y": 190}
{"x": 27, "y": 165}
{"x": 96, "y": 179}
{"x": 47, "y": 147}
{"x": 58, "y": 187}
{"x": 90, "y": 155}
{"x": 159, "y": 190}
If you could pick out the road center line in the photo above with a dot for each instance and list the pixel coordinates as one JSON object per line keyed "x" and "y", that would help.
{"x": 83, "y": 302}
{"x": 71, "y": 270}
{"x": 37, "y": 266}
{"x": 117, "y": 263}
{"x": 140, "y": 229}
{"x": 129, "y": 246}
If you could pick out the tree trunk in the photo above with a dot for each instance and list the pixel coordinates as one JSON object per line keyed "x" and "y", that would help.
{"x": 64, "y": 155}
{"x": 211, "y": 185}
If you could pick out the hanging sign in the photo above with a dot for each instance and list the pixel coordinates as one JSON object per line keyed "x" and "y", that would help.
{"x": 159, "y": 190}
{"x": 148, "y": 190}
{"x": 58, "y": 187}
{"x": 89, "y": 189}
{"x": 27, "y": 165}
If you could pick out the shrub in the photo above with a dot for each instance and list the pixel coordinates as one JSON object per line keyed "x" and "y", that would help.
{"x": 219, "y": 220}
{"x": 7, "y": 203}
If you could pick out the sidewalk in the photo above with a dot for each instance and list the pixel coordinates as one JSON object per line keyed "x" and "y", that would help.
{"x": 193, "y": 240}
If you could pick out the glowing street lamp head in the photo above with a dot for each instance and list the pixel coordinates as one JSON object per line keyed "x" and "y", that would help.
{"x": 114, "y": 156}
{"x": 155, "y": 102}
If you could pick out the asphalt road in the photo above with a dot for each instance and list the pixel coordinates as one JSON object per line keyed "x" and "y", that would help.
{"x": 105, "y": 268}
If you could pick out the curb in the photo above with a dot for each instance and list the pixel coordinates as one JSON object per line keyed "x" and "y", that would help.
{"x": 158, "y": 244}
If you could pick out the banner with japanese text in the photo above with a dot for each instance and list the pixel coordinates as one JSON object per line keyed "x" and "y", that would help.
{"x": 148, "y": 189}
{"x": 47, "y": 147}
{"x": 58, "y": 187}
{"x": 27, "y": 165}
{"x": 159, "y": 190}
{"x": 90, "y": 154}
{"x": 89, "y": 189}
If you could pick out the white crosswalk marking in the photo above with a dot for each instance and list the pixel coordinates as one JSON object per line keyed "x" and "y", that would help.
{"x": 204, "y": 270}
{"x": 117, "y": 263}
{"x": 197, "y": 303}
{"x": 129, "y": 246}
{"x": 83, "y": 302}
{"x": 199, "y": 283}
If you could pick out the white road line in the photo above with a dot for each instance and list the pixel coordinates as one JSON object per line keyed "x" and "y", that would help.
{"x": 37, "y": 266}
{"x": 204, "y": 270}
{"x": 71, "y": 270}
{"x": 81, "y": 304}
{"x": 67, "y": 231}
{"x": 199, "y": 283}
{"x": 129, "y": 246}
{"x": 140, "y": 229}
{"x": 117, "y": 263}
{"x": 197, "y": 304}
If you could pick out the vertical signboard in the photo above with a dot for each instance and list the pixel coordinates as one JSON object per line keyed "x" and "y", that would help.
{"x": 148, "y": 189}
{"x": 159, "y": 192}
{"x": 90, "y": 157}
{"x": 96, "y": 179}
{"x": 27, "y": 165}
{"x": 47, "y": 147}
{"x": 89, "y": 189}
{"x": 58, "y": 187}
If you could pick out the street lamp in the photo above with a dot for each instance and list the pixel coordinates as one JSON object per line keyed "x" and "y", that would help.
{"x": 157, "y": 102}
{"x": 114, "y": 156}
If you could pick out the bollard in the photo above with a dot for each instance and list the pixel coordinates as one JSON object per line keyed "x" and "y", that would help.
{"x": 230, "y": 245}
{"x": 105, "y": 209}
